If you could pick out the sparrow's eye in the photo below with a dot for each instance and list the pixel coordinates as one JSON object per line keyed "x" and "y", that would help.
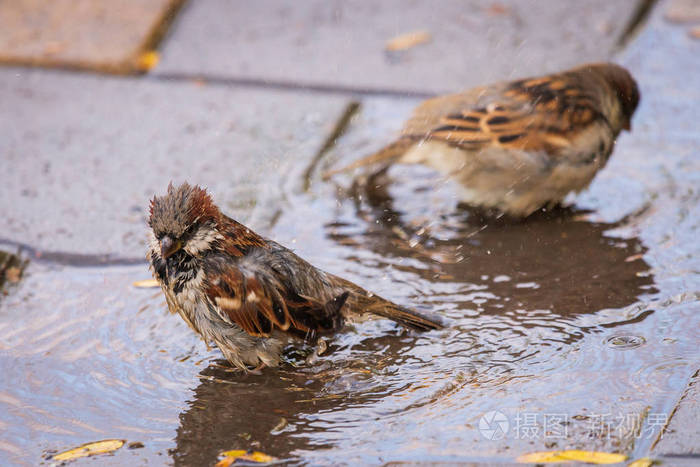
{"x": 189, "y": 231}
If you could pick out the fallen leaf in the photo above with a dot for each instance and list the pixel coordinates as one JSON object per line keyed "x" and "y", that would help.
{"x": 13, "y": 274}
{"x": 280, "y": 426}
{"x": 247, "y": 456}
{"x": 643, "y": 462}
{"x": 694, "y": 32}
{"x": 590, "y": 457}
{"x": 146, "y": 283}
{"x": 148, "y": 60}
{"x": 408, "y": 40}
{"x": 90, "y": 449}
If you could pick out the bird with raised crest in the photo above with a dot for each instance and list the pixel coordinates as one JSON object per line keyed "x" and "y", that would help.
{"x": 515, "y": 147}
{"x": 247, "y": 294}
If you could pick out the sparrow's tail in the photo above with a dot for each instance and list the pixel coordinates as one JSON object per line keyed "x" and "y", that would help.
{"x": 413, "y": 319}
{"x": 361, "y": 301}
{"x": 385, "y": 156}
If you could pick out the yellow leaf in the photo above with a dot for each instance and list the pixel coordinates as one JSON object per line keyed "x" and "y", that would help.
{"x": 591, "y": 457}
{"x": 146, "y": 283}
{"x": 643, "y": 462}
{"x": 90, "y": 449}
{"x": 248, "y": 456}
{"x": 148, "y": 60}
{"x": 408, "y": 40}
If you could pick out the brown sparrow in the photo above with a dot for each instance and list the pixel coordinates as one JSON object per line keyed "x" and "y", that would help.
{"x": 518, "y": 146}
{"x": 248, "y": 294}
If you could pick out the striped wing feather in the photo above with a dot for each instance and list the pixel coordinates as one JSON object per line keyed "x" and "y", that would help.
{"x": 262, "y": 303}
{"x": 542, "y": 114}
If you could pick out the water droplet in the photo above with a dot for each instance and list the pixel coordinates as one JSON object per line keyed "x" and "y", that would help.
{"x": 623, "y": 342}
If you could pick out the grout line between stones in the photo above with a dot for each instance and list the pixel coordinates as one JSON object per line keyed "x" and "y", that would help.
{"x": 68, "y": 259}
{"x": 684, "y": 393}
{"x": 636, "y": 22}
{"x": 340, "y": 128}
{"x": 282, "y": 85}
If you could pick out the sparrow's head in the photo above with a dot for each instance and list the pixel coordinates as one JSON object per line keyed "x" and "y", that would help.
{"x": 625, "y": 88}
{"x": 184, "y": 219}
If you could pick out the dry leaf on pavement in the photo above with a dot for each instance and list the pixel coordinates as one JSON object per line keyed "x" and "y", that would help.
{"x": 230, "y": 457}
{"x": 146, "y": 283}
{"x": 590, "y": 457}
{"x": 643, "y": 462}
{"x": 148, "y": 60}
{"x": 408, "y": 40}
{"x": 90, "y": 449}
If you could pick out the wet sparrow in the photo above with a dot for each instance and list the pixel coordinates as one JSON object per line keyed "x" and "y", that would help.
{"x": 518, "y": 146}
{"x": 248, "y": 294}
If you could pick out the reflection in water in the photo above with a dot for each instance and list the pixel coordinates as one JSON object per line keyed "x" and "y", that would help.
{"x": 519, "y": 295}
{"x": 553, "y": 261}
{"x": 231, "y": 410}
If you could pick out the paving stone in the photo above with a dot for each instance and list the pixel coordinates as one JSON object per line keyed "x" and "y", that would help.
{"x": 682, "y": 435}
{"x": 82, "y": 154}
{"x": 82, "y": 33}
{"x": 334, "y": 43}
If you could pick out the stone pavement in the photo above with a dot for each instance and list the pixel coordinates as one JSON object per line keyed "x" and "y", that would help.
{"x": 88, "y": 34}
{"x": 244, "y": 99}
{"x": 84, "y": 153}
{"x": 342, "y": 44}
{"x": 681, "y": 436}
{"x": 83, "y": 147}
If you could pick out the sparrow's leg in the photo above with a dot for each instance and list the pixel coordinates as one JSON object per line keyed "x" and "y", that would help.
{"x": 257, "y": 371}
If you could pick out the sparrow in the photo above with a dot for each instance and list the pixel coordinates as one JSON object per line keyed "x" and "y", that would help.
{"x": 515, "y": 147}
{"x": 250, "y": 295}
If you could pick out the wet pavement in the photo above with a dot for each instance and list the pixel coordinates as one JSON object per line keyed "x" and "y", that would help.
{"x": 81, "y": 186}
{"x": 575, "y": 329}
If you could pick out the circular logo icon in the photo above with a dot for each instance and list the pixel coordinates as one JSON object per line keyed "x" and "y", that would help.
{"x": 494, "y": 425}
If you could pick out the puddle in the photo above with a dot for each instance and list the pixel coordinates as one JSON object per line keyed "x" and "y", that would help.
{"x": 625, "y": 342}
{"x": 572, "y": 330}
{"x": 539, "y": 310}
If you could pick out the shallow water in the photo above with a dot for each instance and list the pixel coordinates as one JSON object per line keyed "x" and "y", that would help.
{"x": 580, "y": 326}
{"x": 560, "y": 323}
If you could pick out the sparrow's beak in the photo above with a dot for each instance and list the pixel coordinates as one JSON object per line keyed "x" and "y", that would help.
{"x": 168, "y": 247}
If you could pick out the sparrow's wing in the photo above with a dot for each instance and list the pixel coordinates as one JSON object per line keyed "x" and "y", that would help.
{"x": 547, "y": 114}
{"x": 256, "y": 293}
{"x": 557, "y": 115}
